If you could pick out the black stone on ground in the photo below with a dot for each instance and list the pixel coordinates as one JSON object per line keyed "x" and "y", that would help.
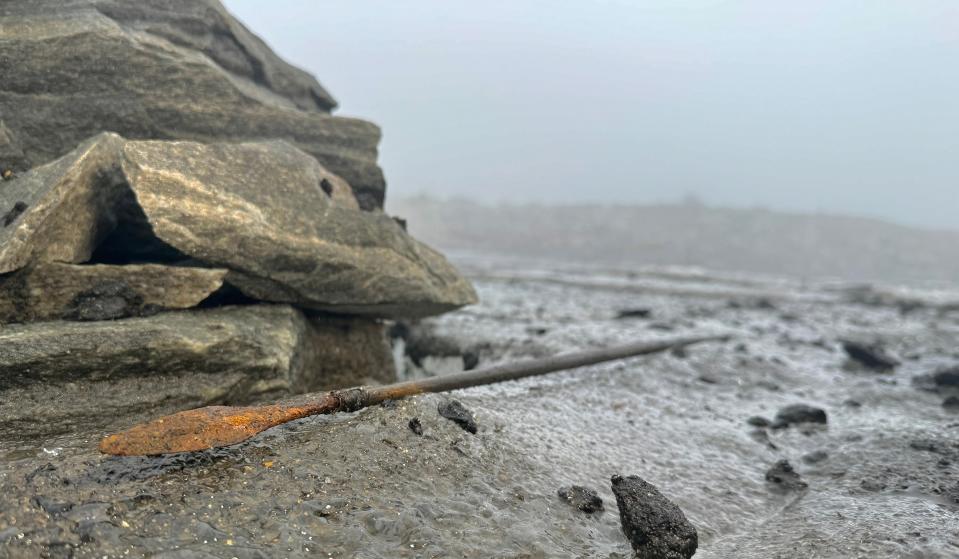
{"x": 870, "y": 356}
{"x": 583, "y": 498}
{"x": 654, "y": 525}
{"x": 947, "y": 377}
{"x": 457, "y": 413}
{"x": 798, "y": 413}
{"x": 758, "y": 421}
{"x": 416, "y": 426}
{"x": 634, "y": 313}
{"x": 944, "y": 381}
{"x": 785, "y": 477}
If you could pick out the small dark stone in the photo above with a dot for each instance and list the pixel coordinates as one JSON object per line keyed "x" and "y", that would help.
{"x": 400, "y": 221}
{"x": 852, "y": 403}
{"x": 634, "y": 313}
{"x": 815, "y": 457}
{"x": 798, "y": 413}
{"x": 457, "y": 413}
{"x": 872, "y": 485}
{"x": 944, "y": 381}
{"x": 785, "y": 477}
{"x": 947, "y": 377}
{"x": 471, "y": 359}
{"x": 583, "y": 498}
{"x": 951, "y": 403}
{"x": 870, "y": 356}
{"x": 14, "y": 213}
{"x": 416, "y": 426}
{"x": 758, "y": 421}
{"x": 680, "y": 352}
{"x": 654, "y": 525}
{"x": 108, "y": 300}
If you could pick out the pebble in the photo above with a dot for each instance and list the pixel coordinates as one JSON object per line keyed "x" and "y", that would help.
{"x": 583, "y": 498}
{"x": 457, "y": 413}
{"x": 798, "y": 413}
{"x": 870, "y": 356}
{"x": 654, "y": 525}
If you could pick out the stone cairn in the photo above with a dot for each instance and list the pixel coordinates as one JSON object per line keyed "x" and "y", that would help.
{"x": 183, "y": 222}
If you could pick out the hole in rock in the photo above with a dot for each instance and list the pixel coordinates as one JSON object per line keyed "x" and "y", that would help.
{"x": 327, "y": 187}
{"x": 132, "y": 241}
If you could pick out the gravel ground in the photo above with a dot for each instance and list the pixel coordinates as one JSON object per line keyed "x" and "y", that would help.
{"x": 880, "y": 476}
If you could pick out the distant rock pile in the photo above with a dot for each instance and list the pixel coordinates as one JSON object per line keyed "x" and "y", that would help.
{"x": 165, "y": 171}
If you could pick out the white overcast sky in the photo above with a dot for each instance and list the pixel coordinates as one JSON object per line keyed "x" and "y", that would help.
{"x": 839, "y": 106}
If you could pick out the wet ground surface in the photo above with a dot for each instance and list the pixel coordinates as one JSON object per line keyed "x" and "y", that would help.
{"x": 881, "y": 474}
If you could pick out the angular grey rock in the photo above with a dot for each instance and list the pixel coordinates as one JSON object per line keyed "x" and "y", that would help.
{"x": 654, "y": 525}
{"x": 205, "y": 26}
{"x": 284, "y": 226}
{"x": 70, "y": 206}
{"x": 52, "y": 291}
{"x": 173, "y": 69}
{"x": 287, "y": 229}
{"x": 137, "y": 368}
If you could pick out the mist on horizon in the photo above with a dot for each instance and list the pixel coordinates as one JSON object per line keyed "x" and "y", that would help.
{"x": 807, "y": 107}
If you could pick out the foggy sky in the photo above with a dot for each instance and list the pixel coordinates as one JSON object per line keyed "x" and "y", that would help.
{"x": 839, "y": 106}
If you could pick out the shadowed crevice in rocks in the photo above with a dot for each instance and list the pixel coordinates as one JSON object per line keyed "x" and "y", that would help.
{"x": 133, "y": 240}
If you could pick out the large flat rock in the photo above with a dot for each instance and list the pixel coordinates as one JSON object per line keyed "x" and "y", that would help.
{"x": 261, "y": 211}
{"x": 52, "y": 291}
{"x": 175, "y": 69}
{"x": 57, "y": 377}
{"x": 287, "y": 229}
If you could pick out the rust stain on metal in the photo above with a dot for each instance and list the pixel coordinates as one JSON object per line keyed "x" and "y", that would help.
{"x": 204, "y": 428}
